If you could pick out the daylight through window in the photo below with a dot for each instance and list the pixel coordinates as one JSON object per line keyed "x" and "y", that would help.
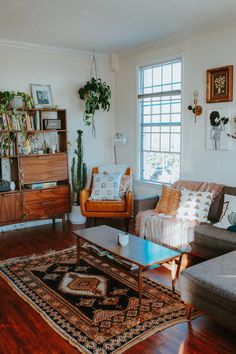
{"x": 160, "y": 116}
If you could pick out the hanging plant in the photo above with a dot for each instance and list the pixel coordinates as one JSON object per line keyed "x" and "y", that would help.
{"x": 97, "y": 96}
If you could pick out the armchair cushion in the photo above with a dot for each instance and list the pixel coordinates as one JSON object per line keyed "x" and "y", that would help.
{"x": 105, "y": 206}
{"x": 105, "y": 187}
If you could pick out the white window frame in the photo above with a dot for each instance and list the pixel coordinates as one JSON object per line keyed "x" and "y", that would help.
{"x": 140, "y": 171}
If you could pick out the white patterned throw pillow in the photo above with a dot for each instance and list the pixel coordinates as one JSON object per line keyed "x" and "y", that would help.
{"x": 105, "y": 187}
{"x": 194, "y": 206}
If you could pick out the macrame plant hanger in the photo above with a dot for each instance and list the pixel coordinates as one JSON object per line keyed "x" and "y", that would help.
{"x": 93, "y": 73}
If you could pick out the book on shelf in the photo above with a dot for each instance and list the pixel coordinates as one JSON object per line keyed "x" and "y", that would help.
{"x": 41, "y": 185}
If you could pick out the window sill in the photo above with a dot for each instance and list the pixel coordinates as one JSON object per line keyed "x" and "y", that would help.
{"x": 157, "y": 185}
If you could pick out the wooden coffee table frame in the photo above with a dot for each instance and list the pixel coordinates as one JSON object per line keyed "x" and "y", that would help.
{"x": 173, "y": 262}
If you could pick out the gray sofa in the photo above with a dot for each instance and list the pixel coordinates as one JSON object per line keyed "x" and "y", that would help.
{"x": 211, "y": 285}
{"x": 209, "y": 241}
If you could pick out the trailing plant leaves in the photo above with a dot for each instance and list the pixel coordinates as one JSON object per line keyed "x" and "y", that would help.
{"x": 97, "y": 95}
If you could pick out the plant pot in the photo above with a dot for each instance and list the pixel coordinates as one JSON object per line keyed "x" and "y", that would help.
{"x": 17, "y": 102}
{"x": 75, "y": 216}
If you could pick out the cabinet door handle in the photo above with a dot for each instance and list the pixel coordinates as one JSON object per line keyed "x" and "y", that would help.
{"x": 44, "y": 203}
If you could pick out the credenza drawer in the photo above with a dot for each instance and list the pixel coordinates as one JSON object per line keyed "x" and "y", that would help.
{"x": 62, "y": 192}
{"x": 43, "y": 168}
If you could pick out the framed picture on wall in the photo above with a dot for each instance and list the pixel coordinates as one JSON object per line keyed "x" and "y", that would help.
{"x": 42, "y": 95}
{"x": 219, "y": 86}
{"x": 218, "y": 129}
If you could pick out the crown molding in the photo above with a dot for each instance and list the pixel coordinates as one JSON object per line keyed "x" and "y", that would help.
{"x": 175, "y": 39}
{"x": 49, "y": 49}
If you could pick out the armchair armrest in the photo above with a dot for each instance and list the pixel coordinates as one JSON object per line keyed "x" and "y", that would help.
{"x": 145, "y": 203}
{"x": 84, "y": 196}
{"x": 129, "y": 202}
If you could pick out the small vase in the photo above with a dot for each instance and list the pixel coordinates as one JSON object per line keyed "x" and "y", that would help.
{"x": 12, "y": 186}
{"x": 17, "y": 102}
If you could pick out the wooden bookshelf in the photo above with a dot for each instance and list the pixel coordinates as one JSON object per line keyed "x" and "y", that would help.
{"x": 25, "y": 204}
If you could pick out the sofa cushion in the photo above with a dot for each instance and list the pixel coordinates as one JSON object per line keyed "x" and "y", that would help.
{"x": 105, "y": 206}
{"x": 169, "y": 201}
{"x": 194, "y": 205}
{"x": 216, "y": 238}
{"x": 214, "y": 280}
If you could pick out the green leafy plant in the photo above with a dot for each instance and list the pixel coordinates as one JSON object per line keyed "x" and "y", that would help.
{"x": 6, "y": 98}
{"x": 97, "y": 95}
{"x": 78, "y": 169}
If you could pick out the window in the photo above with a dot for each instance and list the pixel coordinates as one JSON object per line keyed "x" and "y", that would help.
{"x": 160, "y": 116}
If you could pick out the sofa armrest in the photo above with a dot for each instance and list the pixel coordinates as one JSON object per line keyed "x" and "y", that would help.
{"x": 145, "y": 203}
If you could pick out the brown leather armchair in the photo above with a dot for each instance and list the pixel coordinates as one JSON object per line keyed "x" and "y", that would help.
{"x": 106, "y": 208}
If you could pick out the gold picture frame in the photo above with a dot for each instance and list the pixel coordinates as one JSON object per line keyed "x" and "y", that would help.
{"x": 219, "y": 86}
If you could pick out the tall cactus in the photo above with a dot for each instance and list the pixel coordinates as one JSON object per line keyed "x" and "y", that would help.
{"x": 79, "y": 170}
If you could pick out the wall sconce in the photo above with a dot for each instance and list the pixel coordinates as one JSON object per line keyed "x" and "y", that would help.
{"x": 118, "y": 139}
{"x": 196, "y": 109}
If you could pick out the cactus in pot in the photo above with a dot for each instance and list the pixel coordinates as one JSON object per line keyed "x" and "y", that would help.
{"x": 78, "y": 169}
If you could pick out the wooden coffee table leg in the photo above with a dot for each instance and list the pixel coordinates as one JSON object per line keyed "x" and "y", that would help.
{"x": 175, "y": 271}
{"x": 78, "y": 250}
{"x": 140, "y": 283}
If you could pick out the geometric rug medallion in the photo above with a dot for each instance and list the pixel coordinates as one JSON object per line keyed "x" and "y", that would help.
{"x": 94, "y": 305}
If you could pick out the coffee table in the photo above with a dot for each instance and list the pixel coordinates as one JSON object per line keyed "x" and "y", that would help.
{"x": 143, "y": 253}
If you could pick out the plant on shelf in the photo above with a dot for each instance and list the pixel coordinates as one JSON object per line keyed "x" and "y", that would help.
{"x": 78, "y": 169}
{"x": 7, "y": 100}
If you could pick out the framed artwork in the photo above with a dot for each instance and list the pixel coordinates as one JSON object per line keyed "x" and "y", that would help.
{"x": 42, "y": 95}
{"x": 218, "y": 129}
{"x": 220, "y": 84}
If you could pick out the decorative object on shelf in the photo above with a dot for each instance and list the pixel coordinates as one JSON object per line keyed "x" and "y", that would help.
{"x": 96, "y": 94}
{"x": 13, "y": 100}
{"x": 219, "y": 84}
{"x": 78, "y": 177}
{"x": 196, "y": 109}
{"x": 218, "y": 129}
{"x": 12, "y": 185}
{"x": 42, "y": 95}
{"x": 118, "y": 139}
{"x": 27, "y": 147}
{"x": 4, "y": 185}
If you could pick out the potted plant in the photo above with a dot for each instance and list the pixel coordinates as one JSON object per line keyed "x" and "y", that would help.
{"x": 97, "y": 96}
{"x": 78, "y": 177}
{"x": 12, "y": 100}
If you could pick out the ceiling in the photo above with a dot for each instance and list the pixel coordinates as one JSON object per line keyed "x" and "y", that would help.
{"x": 109, "y": 25}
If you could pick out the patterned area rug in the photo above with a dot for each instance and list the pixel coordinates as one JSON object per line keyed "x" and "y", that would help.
{"x": 93, "y": 305}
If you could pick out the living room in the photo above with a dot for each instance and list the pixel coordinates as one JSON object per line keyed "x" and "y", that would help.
{"x": 61, "y": 45}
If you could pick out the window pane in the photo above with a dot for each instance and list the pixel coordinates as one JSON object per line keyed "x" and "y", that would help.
{"x": 166, "y": 74}
{"x": 146, "y": 141}
{"x": 157, "y": 78}
{"x": 177, "y": 72}
{"x": 155, "y": 142}
{"x": 147, "y": 77}
{"x": 165, "y": 142}
{"x": 161, "y": 167}
{"x": 175, "y": 142}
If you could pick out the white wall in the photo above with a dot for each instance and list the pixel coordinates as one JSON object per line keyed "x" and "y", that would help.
{"x": 66, "y": 73}
{"x": 199, "y": 53}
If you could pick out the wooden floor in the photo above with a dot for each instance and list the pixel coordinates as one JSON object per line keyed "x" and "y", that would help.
{"x": 23, "y": 331}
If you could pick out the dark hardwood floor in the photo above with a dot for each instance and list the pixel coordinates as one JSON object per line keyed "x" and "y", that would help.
{"x": 23, "y": 331}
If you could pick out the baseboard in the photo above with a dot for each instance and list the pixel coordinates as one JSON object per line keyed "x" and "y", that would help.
{"x": 26, "y": 225}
